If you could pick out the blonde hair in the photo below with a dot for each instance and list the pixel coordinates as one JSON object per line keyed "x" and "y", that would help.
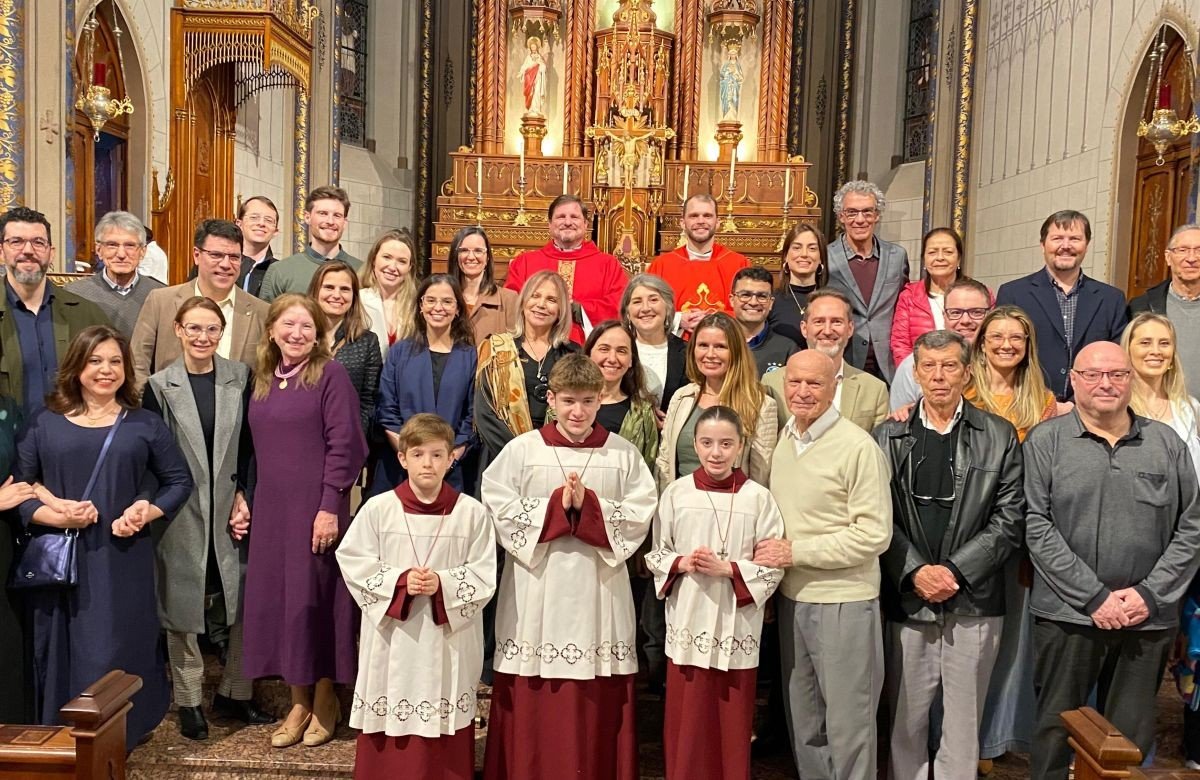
{"x": 1173, "y": 380}
{"x": 740, "y": 390}
{"x": 269, "y": 355}
{"x": 1029, "y": 384}
{"x": 560, "y": 332}
{"x": 401, "y": 306}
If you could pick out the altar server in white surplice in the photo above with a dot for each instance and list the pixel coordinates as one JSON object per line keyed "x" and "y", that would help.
{"x": 420, "y": 561}
{"x": 708, "y": 523}
{"x": 570, "y": 503}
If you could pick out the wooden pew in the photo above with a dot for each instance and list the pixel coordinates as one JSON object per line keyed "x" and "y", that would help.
{"x": 92, "y": 748}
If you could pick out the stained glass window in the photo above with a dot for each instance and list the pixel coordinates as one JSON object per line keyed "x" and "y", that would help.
{"x": 352, "y": 80}
{"x": 919, "y": 75}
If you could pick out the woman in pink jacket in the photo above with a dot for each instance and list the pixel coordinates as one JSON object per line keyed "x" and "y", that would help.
{"x": 920, "y": 306}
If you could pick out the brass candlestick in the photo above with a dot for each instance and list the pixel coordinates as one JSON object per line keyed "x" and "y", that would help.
{"x": 728, "y": 224}
{"x": 787, "y": 205}
{"x": 479, "y": 208}
{"x": 522, "y": 218}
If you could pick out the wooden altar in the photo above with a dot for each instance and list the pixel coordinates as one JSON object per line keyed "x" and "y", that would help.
{"x": 628, "y": 104}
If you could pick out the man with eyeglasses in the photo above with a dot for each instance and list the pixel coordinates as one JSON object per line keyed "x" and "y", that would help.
{"x": 827, "y": 326}
{"x": 38, "y": 319}
{"x": 259, "y": 220}
{"x": 118, "y": 287}
{"x": 1178, "y": 298}
{"x": 1068, "y": 308}
{"x": 967, "y": 302}
{"x": 217, "y": 254}
{"x": 750, "y": 302}
{"x": 870, "y": 271}
{"x": 959, "y": 512}
{"x": 326, "y": 213}
{"x": 1113, "y": 529}
{"x": 700, "y": 271}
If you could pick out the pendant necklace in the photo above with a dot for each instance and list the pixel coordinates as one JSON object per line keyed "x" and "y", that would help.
{"x": 586, "y": 463}
{"x": 411, "y": 540}
{"x": 285, "y": 377}
{"x": 728, "y": 522}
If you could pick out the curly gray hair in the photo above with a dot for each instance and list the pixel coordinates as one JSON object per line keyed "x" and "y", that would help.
{"x": 123, "y": 221}
{"x": 862, "y": 188}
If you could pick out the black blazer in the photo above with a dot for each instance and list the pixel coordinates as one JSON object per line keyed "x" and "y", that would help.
{"x": 1100, "y": 316}
{"x": 1154, "y": 299}
{"x": 676, "y": 369}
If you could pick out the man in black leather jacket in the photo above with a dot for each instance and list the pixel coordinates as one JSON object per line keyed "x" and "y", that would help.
{"x": 959, "y": 512}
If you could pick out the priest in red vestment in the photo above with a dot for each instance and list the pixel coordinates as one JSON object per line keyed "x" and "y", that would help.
{"x": 701, "y": 271}
{"x": 595, "y": 279}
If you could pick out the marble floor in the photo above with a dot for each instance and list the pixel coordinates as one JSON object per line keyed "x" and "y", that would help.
{"x": 234, "y": 751}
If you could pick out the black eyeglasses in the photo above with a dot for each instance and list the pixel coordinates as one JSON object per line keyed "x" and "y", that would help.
{"x": 944, "y": 502}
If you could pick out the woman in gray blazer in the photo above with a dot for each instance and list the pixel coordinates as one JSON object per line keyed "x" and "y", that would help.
{"x": 202, "y": 397}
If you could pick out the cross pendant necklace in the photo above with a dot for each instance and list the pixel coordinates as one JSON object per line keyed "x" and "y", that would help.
{"x": 724, "y": 536}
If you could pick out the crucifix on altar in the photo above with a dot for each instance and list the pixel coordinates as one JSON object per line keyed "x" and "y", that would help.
{"x": 630, "y": 105}
{"x": 638, "y": 145}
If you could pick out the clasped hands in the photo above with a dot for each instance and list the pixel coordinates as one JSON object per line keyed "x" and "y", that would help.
{"x": 703, "y": 560}
{"x": 423, "y": 581}
{"x": 935, "y": 583}
{"x": 239, "y": 518}
{"x": 1122, "y": 608}
{"x": 573, "y": 492}
{"x": 133, "y": 519}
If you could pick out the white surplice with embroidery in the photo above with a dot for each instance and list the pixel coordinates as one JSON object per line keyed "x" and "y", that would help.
{"x": 705, "y": 627}
{"x": 564, "y": 607}
{"x": 414, "y": 676}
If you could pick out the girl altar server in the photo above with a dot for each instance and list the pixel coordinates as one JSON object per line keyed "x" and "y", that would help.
{"x": 708, "y": 523}
{"x": 420, "y": 561}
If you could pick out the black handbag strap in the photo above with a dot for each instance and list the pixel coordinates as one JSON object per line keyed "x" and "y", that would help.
{"x": 108, "y": 440}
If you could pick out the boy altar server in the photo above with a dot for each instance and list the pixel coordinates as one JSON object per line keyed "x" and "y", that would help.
{"x": 708, "y": 524}
{"x": 421, "y": 562}
{"x": 570, "y": 503}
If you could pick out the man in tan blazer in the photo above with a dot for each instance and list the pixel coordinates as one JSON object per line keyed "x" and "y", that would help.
{"x": 827, "y": 327}
{"x": 217, "y": 252}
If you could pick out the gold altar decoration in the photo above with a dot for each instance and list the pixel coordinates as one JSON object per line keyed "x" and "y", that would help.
{"x": 1164, "y": 126}
{"x": 632, "y": 101}
{"x": 96, "y": 100}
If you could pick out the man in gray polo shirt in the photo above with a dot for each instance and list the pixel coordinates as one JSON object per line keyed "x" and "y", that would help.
{"x": 1113, "y": 529}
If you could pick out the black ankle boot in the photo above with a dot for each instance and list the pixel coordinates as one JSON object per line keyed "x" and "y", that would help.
{"x": 192, "y": 723}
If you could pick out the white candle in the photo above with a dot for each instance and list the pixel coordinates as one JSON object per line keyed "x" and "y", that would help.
{"x": 787, "y": 186}
{"x": 566, "y": 171}
{"x": 687, "y": 176}
{"x": 732, "y": 165}
{"x": 479, "y": 175}
{"x": 523, "y": 142}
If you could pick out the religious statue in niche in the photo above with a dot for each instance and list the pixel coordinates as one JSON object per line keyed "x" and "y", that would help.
{"x": 731, "y": 79}
{"x": 533, "y": 77}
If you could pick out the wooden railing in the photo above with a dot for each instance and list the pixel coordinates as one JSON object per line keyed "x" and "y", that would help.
{"x": 92, "y": 748}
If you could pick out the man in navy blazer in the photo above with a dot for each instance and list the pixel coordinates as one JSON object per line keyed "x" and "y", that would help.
{"x": 1068, "y": 308}
{"x": 871, "y": 272}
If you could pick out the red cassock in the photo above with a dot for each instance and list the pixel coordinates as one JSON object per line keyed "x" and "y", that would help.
{"x": 708, "y": 720}
{"x": 699, "y": 284}
{"x": 443, "y": 758}
{"x": 595, "y": 279}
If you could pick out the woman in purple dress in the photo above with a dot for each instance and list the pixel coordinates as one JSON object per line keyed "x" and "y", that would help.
{"x": 110, "y": 619}
{"x": 300, "y": 622}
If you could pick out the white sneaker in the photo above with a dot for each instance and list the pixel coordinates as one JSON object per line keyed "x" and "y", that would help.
{"x": 1189, "y": 764}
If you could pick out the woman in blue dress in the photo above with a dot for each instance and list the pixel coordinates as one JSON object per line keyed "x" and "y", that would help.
{"x": 110, "y": 619}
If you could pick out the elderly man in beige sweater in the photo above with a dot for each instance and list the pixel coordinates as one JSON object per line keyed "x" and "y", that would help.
{"x": 831, "y": 482}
